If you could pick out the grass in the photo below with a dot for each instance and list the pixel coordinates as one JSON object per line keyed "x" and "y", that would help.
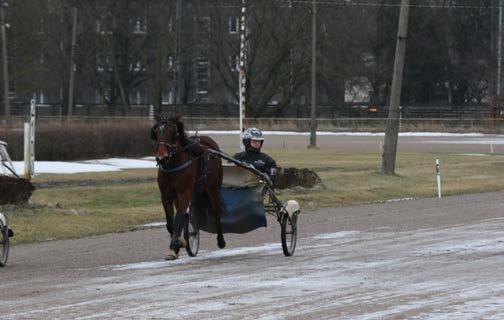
{"x": 121, "y": 201}
{"x": 73, "y": 212}
{"x": 356, "y": 178}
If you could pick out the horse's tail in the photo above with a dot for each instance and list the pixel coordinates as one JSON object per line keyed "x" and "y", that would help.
{"x": 200, "y": 203}
{"x": 201, "y": 208}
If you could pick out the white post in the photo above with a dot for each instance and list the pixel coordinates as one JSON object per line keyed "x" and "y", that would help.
{"x": 438, "y": 178}
{"x": 32, "y": 138}
{"x": 491, "y": 148}
{"x": 151, "y": 113}
{"x": 27, "y": 162}
{"x": 313, "y": 108}
{"x": 242, "y": 79}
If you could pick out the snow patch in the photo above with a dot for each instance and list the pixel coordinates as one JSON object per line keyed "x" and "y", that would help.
{"x": 336, "y": 235}
{"x": 100, "y": 165}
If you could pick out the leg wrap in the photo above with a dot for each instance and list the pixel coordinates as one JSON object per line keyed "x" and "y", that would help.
{"x": 175, "y": 244}
{"x": 178, "y": 224}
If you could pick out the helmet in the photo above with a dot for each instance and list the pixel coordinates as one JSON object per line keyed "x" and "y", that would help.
{"x": 252, "y": 134}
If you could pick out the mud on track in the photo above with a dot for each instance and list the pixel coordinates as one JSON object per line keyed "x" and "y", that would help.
{"x": 419, "y": 259}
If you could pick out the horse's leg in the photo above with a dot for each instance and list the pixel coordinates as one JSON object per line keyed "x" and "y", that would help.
{"x": 181, "y": 204}
{"x": 168, "y": 209}
{"x": 216, "y": 212}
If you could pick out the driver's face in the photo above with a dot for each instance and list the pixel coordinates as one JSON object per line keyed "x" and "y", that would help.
{"x": 255, "y": 144}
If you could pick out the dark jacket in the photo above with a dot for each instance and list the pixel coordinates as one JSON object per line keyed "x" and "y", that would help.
{"x": 260, "y": 161}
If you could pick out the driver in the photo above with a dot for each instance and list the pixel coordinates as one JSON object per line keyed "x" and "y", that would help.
{"x": 253, "y": 140}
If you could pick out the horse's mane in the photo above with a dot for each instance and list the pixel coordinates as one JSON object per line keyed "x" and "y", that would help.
{"x": 181, "y": 133}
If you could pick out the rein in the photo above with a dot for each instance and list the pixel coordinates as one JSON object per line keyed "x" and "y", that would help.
{"x": 196, "y": 141}
{"x": 163, "y": 164}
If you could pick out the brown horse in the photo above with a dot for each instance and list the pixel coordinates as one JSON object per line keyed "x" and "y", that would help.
{"x": 187, "y": 174}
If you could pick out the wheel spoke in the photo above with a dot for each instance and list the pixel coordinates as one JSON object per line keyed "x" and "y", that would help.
{"x": 192, "y": 237}
{"x": 289, "y": 234}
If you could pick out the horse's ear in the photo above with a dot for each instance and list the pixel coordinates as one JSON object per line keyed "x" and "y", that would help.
{"x": 153, "y": 135}
{"x": 180, "y": 128}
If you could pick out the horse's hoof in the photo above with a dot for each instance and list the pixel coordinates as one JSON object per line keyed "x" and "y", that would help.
{"x": 171, "y": 255}
{"x": 221, "y": 244}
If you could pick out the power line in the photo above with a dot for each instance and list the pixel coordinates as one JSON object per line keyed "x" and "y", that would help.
{"x": 350, "y": 3}
{"x": 370, "y": 4}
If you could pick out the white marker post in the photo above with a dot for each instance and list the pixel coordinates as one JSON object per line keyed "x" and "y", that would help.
{"x": 151, "y": 113}
{"x": 29, "y": 143}
{"x": 33, "y": 110}
{"x": 242, "y": 75}
{"x": 27, "y": 171}
{"x": 438, "y": 178}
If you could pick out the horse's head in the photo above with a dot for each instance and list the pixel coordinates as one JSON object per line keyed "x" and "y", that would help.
{"x": 166, "y": 134}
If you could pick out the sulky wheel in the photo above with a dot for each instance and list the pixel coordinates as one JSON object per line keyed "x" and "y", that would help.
{"x": 4, "y": 242}
{"x": 191, "y": 236}
{"x": 289, "y": 234}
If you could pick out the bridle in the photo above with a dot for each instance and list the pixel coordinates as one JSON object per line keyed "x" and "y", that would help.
{"x": 172, "y": 148}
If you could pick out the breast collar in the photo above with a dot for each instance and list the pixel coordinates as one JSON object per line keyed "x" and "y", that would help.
{"x": 164, "y": 167}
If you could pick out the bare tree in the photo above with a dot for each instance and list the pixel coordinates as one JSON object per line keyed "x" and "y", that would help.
{"x": 114, "y": 41}
{"x": 162, "y": 51}
{"x": 277, "y": 61}
{"x": 39, "y": 73}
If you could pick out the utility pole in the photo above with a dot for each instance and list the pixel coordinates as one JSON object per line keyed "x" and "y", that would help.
{"x": 392, "y": 130}
{"x": 178, "y": 75}
{"x": 242, "y": 76}
{"x": 499, "y": 50}
{"x": 5, "y": 58}
{"x": 72, "y": 63}
{"x": 313, "y": 124}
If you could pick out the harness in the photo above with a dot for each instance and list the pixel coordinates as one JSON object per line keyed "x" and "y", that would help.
{"x": 163, "y": 164}
{"x": 175, "y": 148}
{"x": 180, "y": 143}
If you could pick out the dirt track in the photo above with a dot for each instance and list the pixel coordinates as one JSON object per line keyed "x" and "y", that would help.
{"x": 351, "y": 143}
{"x": 418, "y": 259}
